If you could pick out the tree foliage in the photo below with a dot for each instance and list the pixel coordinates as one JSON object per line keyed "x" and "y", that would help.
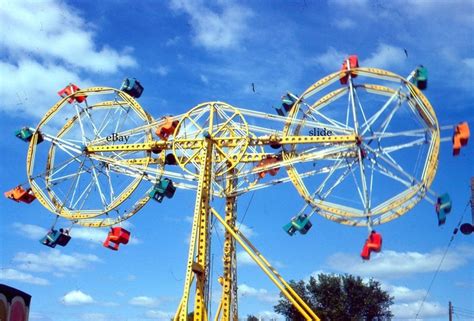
{"x": 251, "y": 318}
{"x": 339, "y": 298}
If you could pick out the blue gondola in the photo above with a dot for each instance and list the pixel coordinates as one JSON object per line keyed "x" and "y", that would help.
{"x": 55, "y": 237}
{"x": 132, "y": 87}
{"x": 300, "y": 223}
{"x": 161, "y": 189}
{"x": 25, "y": 134}
{"x": 443, "y": 207}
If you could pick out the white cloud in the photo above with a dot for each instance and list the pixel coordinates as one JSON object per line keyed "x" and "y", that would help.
{"x": 315, "y": 274}
{"x": 204, "y": 79}
{"x": 32, "y": 84}
{"x": 330, "y": 60}
{"x": 160, "y": 70}
{"x": 38, "y": 29}
{"x": 76, "y": 297}
{"x": 392, "y": 264}
{"x": 144, "y": 301}
{"x": 344, "y": 23}
{"x": 247, "y": 231}
{"x": 160, "y": 315}
{"x": 96, "y": 235}
{"x": 37, "y": 316}
{"x": 469, "y": 63}
{"x": 404, "y": 294}
{"x": 355, "y": 4}
{"x": 269, "y": 315}
{"x": 172, "y": 41}
{"x": 43, "y": 54}
{"x": 109, "y": 304}
{"x": 385, "y": 57}
{"x": 213, "y": 30}
{"x": 89, "y": 234}
{"x": 243, "y": 258}
{"x": 409, "y": 310}
{"x": 15, "y": 275}
{"x": 54, "y": 260}
{"x": 33, "y": 232}
{"x": 95, "y": 317}
{"x": 263, "y": 295}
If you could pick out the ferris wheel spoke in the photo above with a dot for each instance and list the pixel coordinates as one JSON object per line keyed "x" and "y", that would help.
{"x": 348, "y": 110}
{"x": 76, "y": 184}
{"x": 338, "y": 165}
{"x": 85, "y": 195}
{"x": 105, "y": 121}
{"x": 121, "y": 118}
{"x": 58, "y": 180}
{"x": 384, "y": 171}
{"x": 406, "y": 133}
{"x": 68, "y": 150}
{"x": 394, "y": 148}
{"x": 317, "y": 155}
{"x": 360, "y": 192}
{"x": 81, "y": 125}
{"x": 332, "y": 124}
{"x": 99, "y": 189}
{"x": 365, "y": 191}
{"x": 111, "y": 186}
{"x": 339, "y": 180}
{"x": 391, "y": 162}
{"x": 368, "y": 124}
{"x": 416, "y": 115}
{"x": 371, "y": 186}
{"x": 353, "y": 108}
{"x": 361, "y": 109}
{"x": 389, "y": 118}
{"x": 55, "y": 170}
{"x": 56, "y": 140}
{"x": 94, "y": 128}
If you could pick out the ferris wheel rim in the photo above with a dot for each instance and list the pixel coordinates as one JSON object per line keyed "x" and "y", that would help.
{"x": 416, "y": 192}
{"x": 50, "y": 201}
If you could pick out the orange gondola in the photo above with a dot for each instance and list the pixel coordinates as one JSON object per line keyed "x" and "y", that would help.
{"x": 19, "y": 194}
{"x": 460, "y": 137}
{"x": 116, "y": 236}
{"x": 372, "y": 244}
{"x": 269, "y": 160}
{"x": 69, "y": 90}
{"x": 167, "y": 128}
{"x": 353, "y": 63}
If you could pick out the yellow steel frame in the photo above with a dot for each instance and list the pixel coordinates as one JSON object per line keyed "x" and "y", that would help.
{"x": 210, "y": 150}
{"x": 198, "y": 248}
{"x": 227, "y": 309}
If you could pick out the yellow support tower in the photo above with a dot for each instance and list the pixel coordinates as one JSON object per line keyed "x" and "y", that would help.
{"x": 227, "y": 310}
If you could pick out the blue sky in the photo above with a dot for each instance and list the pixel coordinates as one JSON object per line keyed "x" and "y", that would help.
{"x": 186, "y": 52}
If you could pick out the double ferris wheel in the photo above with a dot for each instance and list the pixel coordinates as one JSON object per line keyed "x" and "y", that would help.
{"x": 360, "y": 146}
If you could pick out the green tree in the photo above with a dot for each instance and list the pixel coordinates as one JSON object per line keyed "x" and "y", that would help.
{"x": 251, "y": 318}
{"x": 339, "y": 298}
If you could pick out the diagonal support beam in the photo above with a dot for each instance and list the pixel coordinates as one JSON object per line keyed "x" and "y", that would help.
{"x": 271, "y": 272}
